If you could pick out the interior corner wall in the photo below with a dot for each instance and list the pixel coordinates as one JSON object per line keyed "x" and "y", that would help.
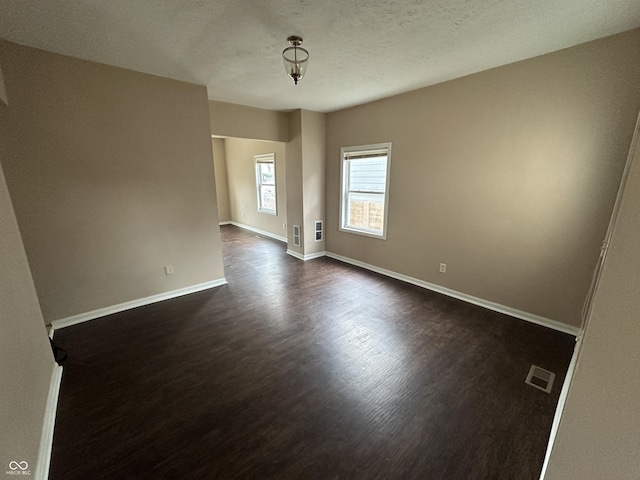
{"x": 243, "y": 195}
{"x": 313, "y": 176}
{"x": 239, "y": 121}
{"x": 599, "y": 432}
{"x": 508, "y": 176}
{"x": 111, "y": 176}
{"x": 295, "y": 198}
{"x": 27, "y": 363}
{"x": 222, "y": 182}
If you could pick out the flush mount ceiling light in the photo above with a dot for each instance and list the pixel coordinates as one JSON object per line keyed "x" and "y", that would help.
{"x": 295, "y": 58}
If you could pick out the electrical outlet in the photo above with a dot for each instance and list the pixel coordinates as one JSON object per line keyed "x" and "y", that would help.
{"x": 168, "y": 269}
{"x": 443, "y": 268}
{"x": 284, "y": 226}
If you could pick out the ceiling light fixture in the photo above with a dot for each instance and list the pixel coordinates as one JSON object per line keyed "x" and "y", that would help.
{"x": 295, "y": 58}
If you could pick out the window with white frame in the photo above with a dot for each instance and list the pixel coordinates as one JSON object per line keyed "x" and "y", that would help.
{"x": 266, "y": 182}
{"x": 365, "y": 188}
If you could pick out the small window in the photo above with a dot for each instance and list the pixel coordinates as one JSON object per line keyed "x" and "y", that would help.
{"x": 266, "y": 183}
{"x": 365, "y": 186}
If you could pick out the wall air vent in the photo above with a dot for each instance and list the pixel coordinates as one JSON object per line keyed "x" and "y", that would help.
{"x": 296, "y": 235}
{"x": 319, "y": 231}
{"x": 540, "y": 378}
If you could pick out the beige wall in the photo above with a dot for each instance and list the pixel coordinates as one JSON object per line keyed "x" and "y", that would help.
{"x": 222, "y": 183}
{"x": 111, "y": 176}
{"x": 313, "y": 176}
{"x": 507, "y": 176}
{"x": 306, "y": 178}
{"x": 243, "y": 197}
{"x": 295, "y": 198}
{"x": 230, "y": 120}
{"x": 27, "y": 362}
{"x": 599, "y": 432}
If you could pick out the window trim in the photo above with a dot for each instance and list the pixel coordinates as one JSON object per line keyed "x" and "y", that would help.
{"x": 265, "y": 158}
{"x": 365, "y": 149}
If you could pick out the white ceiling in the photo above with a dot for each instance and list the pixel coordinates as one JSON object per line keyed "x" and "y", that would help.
{"x": 360, "y": 50}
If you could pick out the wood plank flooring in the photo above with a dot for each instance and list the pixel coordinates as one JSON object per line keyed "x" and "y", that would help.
{"x": 304, "y": 370}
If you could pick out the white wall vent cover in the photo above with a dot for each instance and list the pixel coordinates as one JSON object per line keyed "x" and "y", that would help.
{"x": 296, "y": 235}
{"x": 319, "y": 231}
{"x": 540, "y": 378}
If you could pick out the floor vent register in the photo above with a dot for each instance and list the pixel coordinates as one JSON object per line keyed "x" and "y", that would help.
{"x": 540, "y": 378}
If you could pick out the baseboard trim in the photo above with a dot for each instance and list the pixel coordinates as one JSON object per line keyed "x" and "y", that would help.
{"x": 46, "y": 439}
{"x": 297, "y": 255}
{"x": 562, "y": 400}
{"x": 496, "y": 307}
{"x": 261, "y": 232}
{"x": 302, "y": 257}
{"x": 226, "y": 222}
{"x": 121, "y": 307}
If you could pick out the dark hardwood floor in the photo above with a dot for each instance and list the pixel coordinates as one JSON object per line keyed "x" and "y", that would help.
{"x": 309, "y": 370}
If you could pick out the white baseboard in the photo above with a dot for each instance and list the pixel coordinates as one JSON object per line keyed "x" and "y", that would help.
{"x": 300, "y": 256}
{"x": 496, "y": 307}
{"x": 297, "y": 255}
{"x": 261, "y": 232}
{"x": 562, "y": 400}
{"x": 121, "y": 307}
{"x": 46, "y": 440}
{"x": 226, "y": 222}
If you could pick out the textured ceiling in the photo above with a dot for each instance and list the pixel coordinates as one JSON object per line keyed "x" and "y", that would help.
{"x": 360, "y": 50}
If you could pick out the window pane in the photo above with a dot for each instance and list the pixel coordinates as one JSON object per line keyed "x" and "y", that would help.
{"x": 266, "y": 182}
{"x": 369, "y": 174}
{"x": 363, "y": 199}
{"x": 365, "y": 210}
{"x": 268, "y": 197}
{"x": 267, "y": 173}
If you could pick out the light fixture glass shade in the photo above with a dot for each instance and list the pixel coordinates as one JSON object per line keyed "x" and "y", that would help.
{"x": 295, "y": 59}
